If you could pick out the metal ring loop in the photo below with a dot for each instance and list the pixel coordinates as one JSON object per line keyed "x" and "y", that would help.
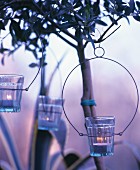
{"x": 102, "y": 54}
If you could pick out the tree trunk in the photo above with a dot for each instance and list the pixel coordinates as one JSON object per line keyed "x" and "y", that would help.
{"x": 88, "y": 93}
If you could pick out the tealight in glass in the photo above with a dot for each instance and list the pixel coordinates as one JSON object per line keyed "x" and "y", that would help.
{"x": 101, "y": 135}
{"x": 10, "y": 92}
{"x": 49, "y": 113}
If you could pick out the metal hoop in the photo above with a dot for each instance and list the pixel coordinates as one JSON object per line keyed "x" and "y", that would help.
{"x": 103, "y": 51}
{"x": 137, "y": 92}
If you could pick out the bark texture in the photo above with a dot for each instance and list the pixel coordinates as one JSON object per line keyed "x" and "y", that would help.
{"x": 88, "y": 93}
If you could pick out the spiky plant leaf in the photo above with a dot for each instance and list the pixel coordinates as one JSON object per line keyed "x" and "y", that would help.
{"x": 9, "y": 145}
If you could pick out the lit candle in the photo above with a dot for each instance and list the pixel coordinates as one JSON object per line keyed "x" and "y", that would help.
{"x": 101, "y": 146}
{"x": 100, "y": 139}
{"x": 8, "y": 102}
{"x": 9, "y": 97}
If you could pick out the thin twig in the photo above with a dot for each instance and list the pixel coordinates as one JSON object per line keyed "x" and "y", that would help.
{"x": 53, "y": 23}
{"x": 111, "y": 33}
{"x": 101, "y": 37}
{"x": 64, "y": 39}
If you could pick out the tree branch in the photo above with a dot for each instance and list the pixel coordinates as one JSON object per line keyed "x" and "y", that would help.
{"x": 64, "y": 39}
{"x": 42, "y": 13}
{"x": 102, "y": 36}
{"x": 53, "y": 23}
{"x": 111, "y": 33}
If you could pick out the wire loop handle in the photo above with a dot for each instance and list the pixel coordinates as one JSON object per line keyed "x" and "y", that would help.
{"x": 137, "y": 92}
{"x": 99, "y": 48}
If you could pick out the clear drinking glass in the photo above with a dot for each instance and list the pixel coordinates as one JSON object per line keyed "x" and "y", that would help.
{"x": 49, "y": 113}
{"x": 10, "y": 92}
{"x": 101, "y": 135}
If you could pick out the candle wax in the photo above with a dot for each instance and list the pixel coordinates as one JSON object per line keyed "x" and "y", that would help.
{"x": 9, "y": 106}
{"x": 101, "y": 149}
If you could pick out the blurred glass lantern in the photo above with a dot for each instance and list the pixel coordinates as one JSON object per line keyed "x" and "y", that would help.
{"x": 10, "y": 92}
{"x": 49, "y": 113}
{"x": 101, "y": 135}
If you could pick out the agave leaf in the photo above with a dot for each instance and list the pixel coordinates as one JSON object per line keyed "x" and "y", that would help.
{"x": 80, "y": 163}
{"x": 40, "y": 144}
{"x": 9, "y": 145}
{"x": 57, "y": 162}
{"x": 5, "y": 166}
{"x": 54, "y": 71}
{"x": 70, "y": 158}
{"x": 32, "y": 144}
{"x": 61, "y": 134}
{"x": 43, "y": 145}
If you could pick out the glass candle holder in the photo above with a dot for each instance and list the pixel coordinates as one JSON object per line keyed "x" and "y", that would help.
{"x": 101, "y": 135}
{"x": 49, "y": 113}
{"x": 10, "y": 92}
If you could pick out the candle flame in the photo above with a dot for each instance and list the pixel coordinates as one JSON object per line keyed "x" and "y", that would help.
{"x": 47, "y": 118}
{"x": 9, "y": 97}
{"x": 100, "y": 139}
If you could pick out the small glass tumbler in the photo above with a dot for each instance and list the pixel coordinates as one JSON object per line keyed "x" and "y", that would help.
{"x": 101, "y": 135}
{"x": 49, "y": 113}
{"x": 10, "y": 92}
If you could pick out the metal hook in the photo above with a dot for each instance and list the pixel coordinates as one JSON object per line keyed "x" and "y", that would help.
{"x": 101, "y": 49}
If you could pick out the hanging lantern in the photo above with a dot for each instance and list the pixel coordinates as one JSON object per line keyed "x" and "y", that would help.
{"x": 100, "y": 130}
{"x": 101, "y": 135}
{"x": 49, "y": 113}
{"x": 10, "y": 92}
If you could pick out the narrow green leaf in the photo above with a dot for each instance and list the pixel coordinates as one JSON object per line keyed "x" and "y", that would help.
{"x": 119, "y": 2}
{"x": 71, "y": 158}
{"x": 138, "y": 4}
{"x": 32, "y": 65}
{"x": 91, "y": 40}
{"x": 132, "y": 6}
{"x": 2, "y": 60}
{"x": 2, "y": 26}
{"x": 137, "y": 18}
{"x": 62, "y": 12}
{"x": 100, "y": 22}
{"x": 68, "y": 25}
{"x": 16, "y": 28}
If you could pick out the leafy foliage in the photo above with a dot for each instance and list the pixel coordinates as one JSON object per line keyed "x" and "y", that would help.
{"x": 32, "y": 21}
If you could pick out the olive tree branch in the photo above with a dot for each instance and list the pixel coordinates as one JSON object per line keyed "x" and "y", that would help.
{"x": 105, "y": 32}
{"x": 53, "y": 23}
{"x": 45, "y": 16}
{"x": 64, "y": 39}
